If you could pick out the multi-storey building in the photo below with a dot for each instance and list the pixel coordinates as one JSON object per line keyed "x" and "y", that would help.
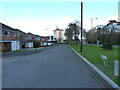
{"x": 58, "y": 35}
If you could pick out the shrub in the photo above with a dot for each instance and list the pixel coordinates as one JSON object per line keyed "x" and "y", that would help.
{"x": 36, "y": 44}
{"x": 107, "y": 46}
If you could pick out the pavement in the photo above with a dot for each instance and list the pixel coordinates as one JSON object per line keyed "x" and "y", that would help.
{"x": 25, "y": 51}
{"x": 53, "y": 67}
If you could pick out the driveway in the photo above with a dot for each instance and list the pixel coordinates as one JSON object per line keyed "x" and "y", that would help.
{"x": 53, "y": 67}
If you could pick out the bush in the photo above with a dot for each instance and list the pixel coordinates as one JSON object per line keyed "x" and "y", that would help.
{"x": 107, "y": 42}
{"x": 89, "y": 42}
{"x": 36, "y": 44}
{"x": 107, "y": 46}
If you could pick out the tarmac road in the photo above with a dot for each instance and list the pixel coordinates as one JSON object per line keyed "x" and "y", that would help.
{"x": 54, "y": 67}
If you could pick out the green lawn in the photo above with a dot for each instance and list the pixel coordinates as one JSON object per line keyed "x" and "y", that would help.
{"x": 92, "y": 54}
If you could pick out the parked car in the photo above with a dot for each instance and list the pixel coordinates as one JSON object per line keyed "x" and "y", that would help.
{"x": 45, "y": 44}
{"x": 49, "y": 44}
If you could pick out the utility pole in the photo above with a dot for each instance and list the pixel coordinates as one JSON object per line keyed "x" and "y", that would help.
{"x": 92, "y": 28}
{"x": 46, "y": 32}
{"x": 74, "y": 25}
{"x": 81, "y": 25}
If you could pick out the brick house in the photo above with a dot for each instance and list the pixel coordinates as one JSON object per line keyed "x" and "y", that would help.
{"x": 44, "y": 40}
{"x": 29, "y": 40}
{"x": 8, "y": 38}
{"x": 14, "y": 39}
{"x": 25, "y": 39}
{"x": 36, "y": 38}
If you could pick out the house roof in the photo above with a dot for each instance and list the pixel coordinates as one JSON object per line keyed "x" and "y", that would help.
{"x": 6, "y": 27}
{"x": 44, "y": 36}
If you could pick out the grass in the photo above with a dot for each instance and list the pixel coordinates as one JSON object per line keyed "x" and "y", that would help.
{"x": 92, "y": 54}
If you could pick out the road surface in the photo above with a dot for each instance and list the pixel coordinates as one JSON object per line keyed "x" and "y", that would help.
{"x": 54, "y": 67}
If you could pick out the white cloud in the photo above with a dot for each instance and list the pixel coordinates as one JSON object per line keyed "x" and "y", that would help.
{"x": 105, "y": 21}
{"x": 38, "y": 27}
{"x": 99, "y": 21}
{"x": 46, "y": 27}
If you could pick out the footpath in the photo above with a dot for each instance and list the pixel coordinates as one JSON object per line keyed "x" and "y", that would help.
{"x": 22, "y": 52}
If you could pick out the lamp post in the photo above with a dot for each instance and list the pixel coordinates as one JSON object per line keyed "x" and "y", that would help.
{"x": 81, "y": 48}
{"x": 92, "y": 22}
{"x": 46, "y": 32}
{"x": 92, "y": 27}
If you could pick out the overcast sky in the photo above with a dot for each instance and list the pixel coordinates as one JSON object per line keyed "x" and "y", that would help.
{"x": 43, "y": 17}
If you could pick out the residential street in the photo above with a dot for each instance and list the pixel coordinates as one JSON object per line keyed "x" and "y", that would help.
{"x": 53, "y": 67}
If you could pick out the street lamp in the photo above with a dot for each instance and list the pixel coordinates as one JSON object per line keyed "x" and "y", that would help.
{"x": 46, "y": 32}
{"x": 92, "y": 27}
{"x": 92, "y": 22}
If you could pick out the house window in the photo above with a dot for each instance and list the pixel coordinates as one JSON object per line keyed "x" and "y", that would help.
{"x": 0, "y": 45}
{"x": 14, "y": 34}
{"x": 7, "y": 33}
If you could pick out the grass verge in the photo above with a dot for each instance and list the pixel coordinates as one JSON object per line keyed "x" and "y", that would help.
{"x": 92, "y": 54}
